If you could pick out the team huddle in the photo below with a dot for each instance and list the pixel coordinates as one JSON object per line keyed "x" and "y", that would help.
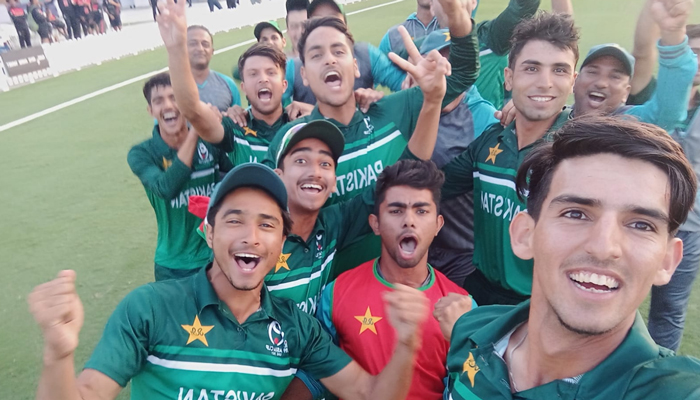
{"x": 468, "y": 236}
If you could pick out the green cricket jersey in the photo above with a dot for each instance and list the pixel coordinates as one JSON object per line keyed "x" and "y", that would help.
{"x": 169, "y": 183}
{"x": 176, "y": 340}
{"x": 377, "y": 138}
{"x": 637, "y": 370}
{"x": 249, "y": 144}
{"x": 488, "y": 167}
{"x": 305, "y": 267}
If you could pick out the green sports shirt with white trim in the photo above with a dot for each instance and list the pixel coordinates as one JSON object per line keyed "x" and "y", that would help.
{"x": 249, "y": 144}
{"x": 177, "y": 340}
{"x": 488, "y": 167}
{"x": 376, "y": 139}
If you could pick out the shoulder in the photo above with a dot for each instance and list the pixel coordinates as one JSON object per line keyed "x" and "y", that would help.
{"x": 361, "y": 271}
{"x": 140, "y": 150}
{"x": 446, "y": 285}
{"x": 224, "y": 78}
{"x": 674, "y": 377}
{"x": 476, "y": 319}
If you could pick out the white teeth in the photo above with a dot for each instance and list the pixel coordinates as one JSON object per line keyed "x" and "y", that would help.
{"x": 264, "y": 90}
{"x": 246, "y": 255}
{"x": 169, "y": 115}
{"x": 596, "y": 279}
{"x": 311, "y": 186}
{"x": 331, "y": 73}
{"x": 541, "y": 98}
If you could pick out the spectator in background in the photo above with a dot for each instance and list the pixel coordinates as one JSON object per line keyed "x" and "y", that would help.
{"x": 296, "y": 15}
{"x": 56, "y": 23}
{"x": 72, "y": 21}
{"x": 50, "y": 5}
{"x": 154, "y": 6}
{"x": 82, "y": 12}
{"x": 38, "y": 21}
{"x": 212, "y": 4}
{"x": 114, "y": 11}
{"x": 97, "y": 21}
{"x": 19, "y": 18}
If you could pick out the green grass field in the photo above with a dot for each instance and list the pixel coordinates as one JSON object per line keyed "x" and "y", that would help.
{"x": 69, "y": 199}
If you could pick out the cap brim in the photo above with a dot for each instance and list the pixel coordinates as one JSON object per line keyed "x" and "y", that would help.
{"x": 251, "y": 175}
{"x": 438, "y": 48}
{"x": 315, "y": 3}
{"x": 261, "y": 26}
{"x": 613, "y": 52}
{"x": 322, "y": 130}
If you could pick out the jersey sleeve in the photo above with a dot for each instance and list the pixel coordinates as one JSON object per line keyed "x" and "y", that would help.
{"x": 644, "y": 95}
{"x": 668, "y": 106}
{"x": 385, "y": 44}
{"x": 384, "y": 71}
{"x": 324, "y": 311}
{"x": 235, "y": 94}
{"x": 459, "y": 177}
{"x": 495, "y": 34}
{"x": 464, "y": 58}
{"x": 123, "y": 348}
{"x": 319, "y": 356}
{"x": 228, "y": 143}
{"x": 165, "y": 184}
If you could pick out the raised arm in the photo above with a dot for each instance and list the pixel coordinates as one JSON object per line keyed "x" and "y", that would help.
{"x": 495, "y": 34}
{"x": 563, "y": 7}
{"x": 646, "y": 34}
{"x": 173, "y": 29}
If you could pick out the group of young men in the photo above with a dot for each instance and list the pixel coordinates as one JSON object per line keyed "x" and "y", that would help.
{"x": 294, "y": 236}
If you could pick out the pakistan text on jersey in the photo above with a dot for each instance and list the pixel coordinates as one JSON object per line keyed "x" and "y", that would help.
{"x": 358, "y": 179}
{"x": 182, "y": 199}
{"x": 204, "y": 394}
{"x": 309, "y": 305}
{"x": 499, "y": 206}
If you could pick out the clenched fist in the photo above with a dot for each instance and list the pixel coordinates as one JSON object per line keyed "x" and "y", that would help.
{"x": 448, "y": 310}
{"x": 58, "y": 311}
{"x": 407, "y": 309}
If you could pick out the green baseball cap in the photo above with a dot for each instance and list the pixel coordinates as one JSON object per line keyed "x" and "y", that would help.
{"x": 321, "y": 129}
{"x": 266, "y": 24}
{"x": 315, "y": 3}
{"x": 436, "y": 40}
{"x": 614, "y": 50}
{"x": 250, "y": 175}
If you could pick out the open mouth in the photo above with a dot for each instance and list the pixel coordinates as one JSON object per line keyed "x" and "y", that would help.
{"x": 407, "y": 245}
{"x": 170, "y": 117}
{"x": 594, "y": 283}
{"x": 246, "y": 261}
{"x": 265, "y": 94}
{"x": 312, "y": 188}
{"x": 596, "y": 97}
{"x": 542, "y": 99}
{"x": 332, "y": 79}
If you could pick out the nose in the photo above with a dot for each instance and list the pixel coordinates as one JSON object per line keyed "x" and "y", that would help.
{"x": 409, "y": 220}
{"x": 251, "y": 237}
{"x": 545, "y": 81}
{"x": 604, "y": 241}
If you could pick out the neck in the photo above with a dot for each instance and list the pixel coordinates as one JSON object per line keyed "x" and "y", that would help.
{"x": 448, "y": 108}
{"x": 270, "y": 118}
{"x": 242, "y": 303}
{"x": 552, "y": 352}
{"x": 200, "y": 75}
{"x": 304, "y": 222}
{"x": 393, "y": 273}
{"x": 528, "y": 132}
{"x": 424, "y": 15}
{"x": 342, "y": 114}
{"x": 174, "y": 141}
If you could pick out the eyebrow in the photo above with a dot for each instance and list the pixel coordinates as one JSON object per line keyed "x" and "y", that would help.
{"x": 240, "y": 212}
{"x": 539, "y": 63}
{"x": 300, "y": 149}
{"x": 584, "y": 201}
{"x": 400, "y": 204}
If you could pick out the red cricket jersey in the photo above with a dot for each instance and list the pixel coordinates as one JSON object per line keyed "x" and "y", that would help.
{"x": 364, "y": 332}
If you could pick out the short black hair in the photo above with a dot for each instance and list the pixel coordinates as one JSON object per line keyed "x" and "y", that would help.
{"x": 286, "y": 218}
{"x": 158, "y": 80}
{"x": 555, "y": 29}
{"x": 203, "y": 28}
{"x": 417, "y": 174}
{"x": 593, "y": 134}
{"x": 297, "y": 5}
{"x": 693, "y": 31}
{"x": 312, "y": 24}
{"x": 263, "y": 50}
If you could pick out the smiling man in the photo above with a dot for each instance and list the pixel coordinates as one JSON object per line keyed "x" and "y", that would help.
{"x": 604, "y": 80}
{"x": 172, "y": 165}
{"x": 541, "y": 75}
{"x": 605, "y": 201}
{"x": 218, "y": 333}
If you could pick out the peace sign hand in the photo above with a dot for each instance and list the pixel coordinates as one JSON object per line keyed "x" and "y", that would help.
{"x": 172, "y": 23}
{"x": 429, "y": 71}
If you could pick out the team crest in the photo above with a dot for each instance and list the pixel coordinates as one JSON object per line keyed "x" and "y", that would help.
{"x": 370, "y": 127}
{"x": 319, "y": 246}
{"x": 278, "y": 344}
{"x": 203, "y": 152}
{"x": 368, "y": 321}
{"x": 470, "y": 368}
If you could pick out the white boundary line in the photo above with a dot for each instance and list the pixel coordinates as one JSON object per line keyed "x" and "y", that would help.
{"x": 127, "y": 82}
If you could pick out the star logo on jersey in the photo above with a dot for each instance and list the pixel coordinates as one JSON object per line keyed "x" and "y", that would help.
{"x": 493, "y": 152}
{"x": 447, "y": 36}
{"x": 248, "y": 131}
{"x": 197, "y": 331}
{"x": 470, "y": 368}
{"x": 368, "y": 321}
{"x": 167, "y": 163}
{"x": 282, "y": 262}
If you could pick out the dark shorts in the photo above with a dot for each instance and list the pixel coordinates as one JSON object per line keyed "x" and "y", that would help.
{"x": 162, "y": 273}
{"x": 44, "y": 30}
{"x": 115, "y": 21}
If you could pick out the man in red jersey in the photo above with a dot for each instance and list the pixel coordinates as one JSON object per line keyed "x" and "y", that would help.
{"x": 407, "y": 217}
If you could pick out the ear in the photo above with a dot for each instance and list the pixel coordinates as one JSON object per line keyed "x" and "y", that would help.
{"x": 628, "y": 89}
{"x": 674, "y": 255}
{"x": 279, "y": 172}
{"x": 573, "y": 82}
{"x": 508, "y": 75}
{"x": 522, "y": 230}
{"x": 209, "y": 234}
{"x": 357, "y": 69}
{"x": 441, "y": 223}
{"x": 284, "y": 41}
{"x": 150, "y": 111}
{"x": 285, "y": 84}
{"x": 302, "y": 71}
{"x": 374, "y": 223}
